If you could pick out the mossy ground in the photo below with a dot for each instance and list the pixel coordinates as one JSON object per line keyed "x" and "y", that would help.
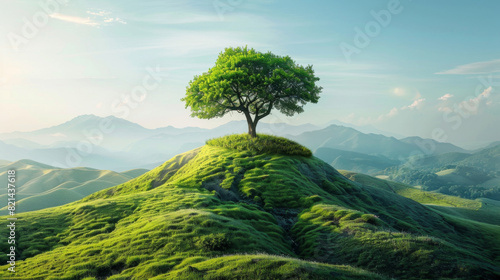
{"x": 262, "y": 144}
{"x": 221, "y": 213}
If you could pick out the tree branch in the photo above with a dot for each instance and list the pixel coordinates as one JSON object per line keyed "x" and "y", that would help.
{"x": 268, "y": 111}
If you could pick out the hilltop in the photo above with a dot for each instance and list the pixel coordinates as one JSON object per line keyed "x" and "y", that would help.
{"x": 220, "y": 213}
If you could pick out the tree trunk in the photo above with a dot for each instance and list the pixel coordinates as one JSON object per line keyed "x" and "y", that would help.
{"x": 252, "y": 125}
{"x": 252, "y": 130}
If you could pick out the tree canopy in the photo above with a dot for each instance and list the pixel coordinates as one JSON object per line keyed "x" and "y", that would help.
{"x": 252, "y": 83}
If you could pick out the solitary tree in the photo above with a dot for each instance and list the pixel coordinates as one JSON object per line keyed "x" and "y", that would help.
{"x": 251, "y": 83}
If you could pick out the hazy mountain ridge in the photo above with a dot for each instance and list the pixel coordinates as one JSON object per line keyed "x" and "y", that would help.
{"x": 349, "y": 139}
{"x": 117, "y": 144}
{"x": 353, "y": 161}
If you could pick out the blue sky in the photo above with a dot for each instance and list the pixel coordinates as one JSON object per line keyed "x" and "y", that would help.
{"x": 409, "y": 67}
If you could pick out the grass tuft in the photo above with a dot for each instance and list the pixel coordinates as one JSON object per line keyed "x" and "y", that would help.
{"x": 262, "y": 144}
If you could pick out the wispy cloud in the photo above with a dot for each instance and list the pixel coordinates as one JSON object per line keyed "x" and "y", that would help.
{"x": 96, "y": 19}
{"x": 74, "y": 19}
{"x": 407, "y": 110}
{"x": 445, "y": 97}
{"x": 104, "y": 16}
{"x": 483, "y": 67}
{"x": 476, "y": 101}
{"x": 119, "y": 20}
{"x": 471, "y": 105}
{"x": 98, "y": 13}
{"x": 417, "y": 104}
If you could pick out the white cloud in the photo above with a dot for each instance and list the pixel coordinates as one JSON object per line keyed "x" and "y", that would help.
{"x": 417, "y": 104}
{"x": 75, "y": 19}
{"x": 99, "y": 13}
{"x": 483, "y": 67}
{"x": 98, "y": 18}
{"x": 119, "y": 20}
{"x": 445, "y": 97}
{"x": 393, "y": 112}
{"x": 472, "y": 105}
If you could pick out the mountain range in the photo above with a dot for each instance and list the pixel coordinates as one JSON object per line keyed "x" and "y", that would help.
{"x": 112, "y": 143}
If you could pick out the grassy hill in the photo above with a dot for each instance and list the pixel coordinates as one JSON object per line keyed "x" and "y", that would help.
{"x": 480, "y": 210}
{"x": 255, "y": 213}
{"x": 472, "y": 176}
{"x": 41, "y": 186}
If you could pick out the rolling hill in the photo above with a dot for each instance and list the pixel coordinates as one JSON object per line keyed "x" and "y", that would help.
{"x": 487, "y": 160}
{"x": 473, "y": 175}
{"x": 42, "y": 186}
{"x": 481, "y": 210}
{"x": 253, "y": 213}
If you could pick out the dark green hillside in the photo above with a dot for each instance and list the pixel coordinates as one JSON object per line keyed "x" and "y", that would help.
{"x": 466, "y": 175}
{"x": 480, "y": 210}
{"x": 221, "y": 213}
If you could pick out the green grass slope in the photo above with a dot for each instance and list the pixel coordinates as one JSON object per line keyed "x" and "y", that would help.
{"x": 480, "y": 210}
{"x": 423, "y": 197}
{"x": 222, "y": 213}
{"x": 40, "y": 186}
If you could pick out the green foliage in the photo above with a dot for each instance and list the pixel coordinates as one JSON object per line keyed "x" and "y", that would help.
{"x": 333, "y": 234}
{"x": 252, "y": 83}
{"x": 265, "y": 267}
{"x": 215, "y": 242}
{"x": 263, "y": 144}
